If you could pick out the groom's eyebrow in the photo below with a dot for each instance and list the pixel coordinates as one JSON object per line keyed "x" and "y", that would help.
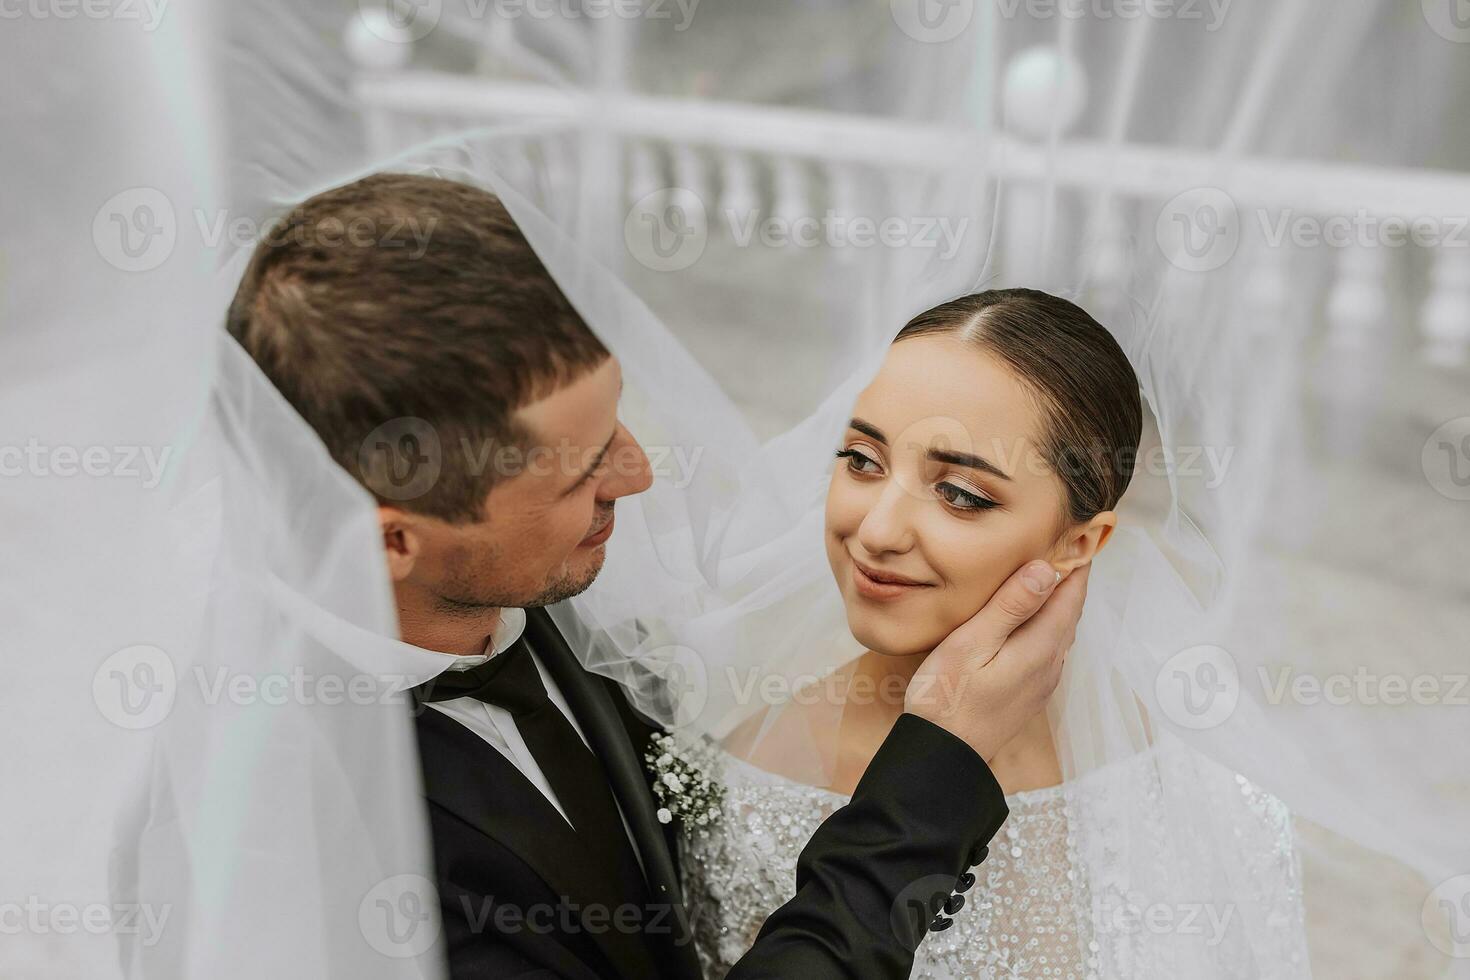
{"x": 951, "y": 456}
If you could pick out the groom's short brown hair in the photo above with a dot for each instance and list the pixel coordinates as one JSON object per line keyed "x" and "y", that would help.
{"x": 407, "y": 297}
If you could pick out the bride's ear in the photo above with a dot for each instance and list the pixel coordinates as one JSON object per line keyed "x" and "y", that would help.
{"x": 401, "y": 541}
{"x": 1080, "y": 544}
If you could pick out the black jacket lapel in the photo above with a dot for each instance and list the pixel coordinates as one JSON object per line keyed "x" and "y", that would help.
{"x": 593, "y": 705}
{"x": 482, "y": 787}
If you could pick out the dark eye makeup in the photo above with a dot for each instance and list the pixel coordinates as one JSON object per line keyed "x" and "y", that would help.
{"x": 956, "y": 497}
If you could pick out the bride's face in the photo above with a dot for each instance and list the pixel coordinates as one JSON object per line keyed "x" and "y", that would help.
{"x": 939, "y": 485}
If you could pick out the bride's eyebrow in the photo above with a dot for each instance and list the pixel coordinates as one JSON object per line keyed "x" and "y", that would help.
{"x": 968, "y": 459}
{"x": 950, "y": 456}
{"x": 868, "y": 429}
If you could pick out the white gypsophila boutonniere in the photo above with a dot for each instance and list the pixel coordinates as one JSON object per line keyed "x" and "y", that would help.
{"x": 682, "y": 784}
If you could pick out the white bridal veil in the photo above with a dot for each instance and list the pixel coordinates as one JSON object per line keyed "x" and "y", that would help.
{"x": 210, "y": 773}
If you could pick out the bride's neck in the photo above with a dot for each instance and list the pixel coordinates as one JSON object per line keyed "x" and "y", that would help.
{"x": 888, "y": 673}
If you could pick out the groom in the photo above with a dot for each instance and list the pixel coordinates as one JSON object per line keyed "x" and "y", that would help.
{"x": 550, "y": 860}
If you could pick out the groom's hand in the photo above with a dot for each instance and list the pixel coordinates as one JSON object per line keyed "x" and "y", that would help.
{"x": 995, "y": 672}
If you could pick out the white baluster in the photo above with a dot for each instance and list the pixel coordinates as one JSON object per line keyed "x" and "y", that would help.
{"x": 788, "y": 177}
{"x": 1265, "y": 289}
{"x": 739, "y": 193}
{"x": 1359, "y": 336}
{"x": 1445, "y": 318}
{"x": 645, "y": 172}
{"x": 1111, "y": 264}
{"x": 561, "y": 170}
{"x": 1357, "y": 301}
{"x": 844, "y": 188}
{"x": 1043, "y": 95}
{"x": 844, "y": 201}
{"x": 690, "y": 171}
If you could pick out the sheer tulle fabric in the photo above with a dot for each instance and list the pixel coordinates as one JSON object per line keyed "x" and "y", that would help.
{"x": 258, "y": 555}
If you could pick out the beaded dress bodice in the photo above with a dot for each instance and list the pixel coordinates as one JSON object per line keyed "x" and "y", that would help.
{"x": 1032, "y": 913}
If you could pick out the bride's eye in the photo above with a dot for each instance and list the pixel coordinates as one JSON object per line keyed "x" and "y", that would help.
{"x": 962, "y": 499}
{"x": 855, "y": 460}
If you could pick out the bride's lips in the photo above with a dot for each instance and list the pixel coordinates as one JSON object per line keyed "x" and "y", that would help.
{"x": 598, "y": 537}
{"x": 872, "y": 583}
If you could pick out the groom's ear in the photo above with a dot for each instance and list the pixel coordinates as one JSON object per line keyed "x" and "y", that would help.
{"x": 401, "y": 541}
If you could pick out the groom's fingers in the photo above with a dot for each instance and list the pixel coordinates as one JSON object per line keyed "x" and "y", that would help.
{"x": 1013, "y": 604}
{"x": 1051, "y": 631}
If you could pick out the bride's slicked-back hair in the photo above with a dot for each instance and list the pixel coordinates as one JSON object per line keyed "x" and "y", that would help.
{"x": 1086, "y": 391}
{"x": 410, "y": 297}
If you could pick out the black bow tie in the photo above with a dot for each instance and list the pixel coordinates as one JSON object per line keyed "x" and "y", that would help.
{"x": 509, "y": 679}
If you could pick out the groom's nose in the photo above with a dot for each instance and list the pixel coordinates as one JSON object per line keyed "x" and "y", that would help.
{"x": 629, "y": 472}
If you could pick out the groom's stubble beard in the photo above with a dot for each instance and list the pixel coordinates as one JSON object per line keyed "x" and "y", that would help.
{"x": 460, "y": 604}
{"x": 568, "y": 585}
{"x": 467, "y": 594}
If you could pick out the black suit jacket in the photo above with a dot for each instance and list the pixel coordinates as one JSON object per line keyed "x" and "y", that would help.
{"x": 517, "y": 901}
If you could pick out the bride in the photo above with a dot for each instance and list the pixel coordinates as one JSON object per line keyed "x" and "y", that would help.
{"x": 1001, "y": 426}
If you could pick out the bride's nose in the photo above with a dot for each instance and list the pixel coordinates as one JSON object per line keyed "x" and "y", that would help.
{"x": 889, "y": 525}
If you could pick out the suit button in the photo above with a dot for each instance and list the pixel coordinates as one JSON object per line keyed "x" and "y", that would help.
{"x": 979, "y": 854}
{"x": 940, "y": 924}
{"x": 953, "y": 904}
{"x": 965, "y": 883}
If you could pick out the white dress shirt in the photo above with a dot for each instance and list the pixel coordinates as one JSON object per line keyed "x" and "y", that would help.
{"x": 497, "y": 726}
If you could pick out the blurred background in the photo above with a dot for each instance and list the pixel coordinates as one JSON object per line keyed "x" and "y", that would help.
{"x": 1267, "y": 200}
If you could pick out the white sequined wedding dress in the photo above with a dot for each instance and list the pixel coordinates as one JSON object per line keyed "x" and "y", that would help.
{"x": 1054, "y": 898}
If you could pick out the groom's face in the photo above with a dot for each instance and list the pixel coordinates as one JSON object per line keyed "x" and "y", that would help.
{"x": 544, "y": 527}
